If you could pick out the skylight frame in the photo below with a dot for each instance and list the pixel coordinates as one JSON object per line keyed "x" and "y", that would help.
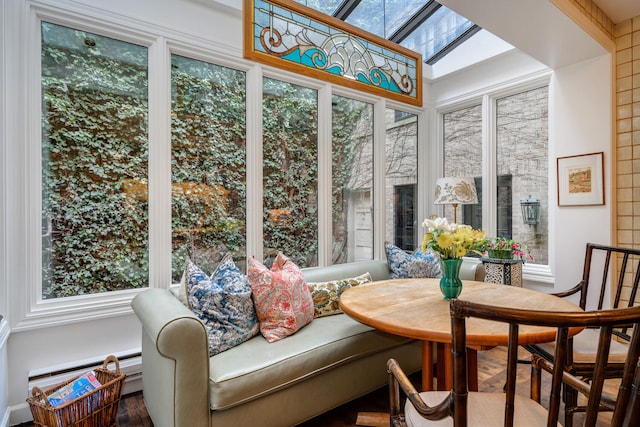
{"x": 344, "y": 10}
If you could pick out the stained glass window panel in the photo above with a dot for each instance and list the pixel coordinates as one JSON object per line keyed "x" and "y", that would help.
{"x": 321, "y": 48}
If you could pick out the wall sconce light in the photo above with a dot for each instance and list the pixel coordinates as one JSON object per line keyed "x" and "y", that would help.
{"x": 530, "y": 210}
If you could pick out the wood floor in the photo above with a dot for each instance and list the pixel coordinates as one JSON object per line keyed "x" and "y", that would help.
{"x": 491, "y": 377}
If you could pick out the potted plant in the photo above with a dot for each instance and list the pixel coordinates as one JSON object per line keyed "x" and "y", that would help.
{"x": 451, "y": 242}
{"x": 504, "y": 259}
{"x": 505, "y": 248}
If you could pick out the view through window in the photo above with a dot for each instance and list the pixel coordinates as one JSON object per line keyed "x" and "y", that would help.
{"x": 352, "y": 180}
{"x": 521, "y": 146}
{"x": 208, "y": 164}
{"x": 290, "y": 172}
{"x": 522, "y": 153}
{"x": 94, "y": 163}
{"x": 401, "y": 178}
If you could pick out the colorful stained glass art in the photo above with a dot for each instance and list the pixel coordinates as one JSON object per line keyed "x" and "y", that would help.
{"x": 289, "y": 35}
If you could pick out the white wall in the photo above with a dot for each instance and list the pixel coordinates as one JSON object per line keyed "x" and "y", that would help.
{"x": 4, "y": 324}
{"x": 580, "y": 105}
{"x": 4, "y": 374}
{"x": 579, "y": 123}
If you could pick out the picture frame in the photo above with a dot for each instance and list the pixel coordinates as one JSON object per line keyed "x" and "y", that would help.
{"x": 581, "y": 180}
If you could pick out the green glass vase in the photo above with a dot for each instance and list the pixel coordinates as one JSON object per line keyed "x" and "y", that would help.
{"x": 450, "y": 283}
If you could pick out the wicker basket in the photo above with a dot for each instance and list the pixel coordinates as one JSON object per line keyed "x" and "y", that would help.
{"x": 97, "y": 408}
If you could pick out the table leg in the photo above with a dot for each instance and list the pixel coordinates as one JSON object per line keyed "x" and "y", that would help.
{"x": 440, "y": 365}
{"x": 445, "y": 367}
{"x": 427, "y": 366}
{"x": 472, "y": 369}
{"x": 447, "y": 363}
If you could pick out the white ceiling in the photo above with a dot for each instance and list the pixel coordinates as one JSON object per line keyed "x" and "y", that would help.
{"x": 537, "y": 28}
{"x": 619, "y": 10}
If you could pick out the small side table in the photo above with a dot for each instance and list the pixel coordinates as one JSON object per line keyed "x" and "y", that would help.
{"x": 503, "y": 271}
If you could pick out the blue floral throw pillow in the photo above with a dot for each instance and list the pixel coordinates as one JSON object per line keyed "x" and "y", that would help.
{"x": 223, "y": 303}
{"x": 418, "y": 264}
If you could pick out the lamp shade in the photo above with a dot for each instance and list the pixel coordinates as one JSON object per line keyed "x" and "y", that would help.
{"x": 455, "y": 190}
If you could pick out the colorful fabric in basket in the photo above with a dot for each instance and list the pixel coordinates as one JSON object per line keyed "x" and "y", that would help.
{"x": 281, "y": 297}
{"x": 79, "y": 387}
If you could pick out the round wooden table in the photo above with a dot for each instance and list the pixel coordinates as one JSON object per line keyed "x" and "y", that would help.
{"x": 415, "y": 308}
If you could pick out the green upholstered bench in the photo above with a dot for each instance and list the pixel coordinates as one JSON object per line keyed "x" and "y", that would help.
{"x": 330, "y": 361}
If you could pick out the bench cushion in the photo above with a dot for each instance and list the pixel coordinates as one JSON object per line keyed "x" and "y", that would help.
{"x": 256, "y": 367}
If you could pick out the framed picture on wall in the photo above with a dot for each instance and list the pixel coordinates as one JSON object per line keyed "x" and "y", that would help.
{"x": 581, "y": 180}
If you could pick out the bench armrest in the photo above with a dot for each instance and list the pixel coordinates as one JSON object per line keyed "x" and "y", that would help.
{"x": 175, "y": 367}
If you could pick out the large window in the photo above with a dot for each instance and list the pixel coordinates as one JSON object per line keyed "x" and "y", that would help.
{"x": 401, "y": 178}
{"x": 519, "y": 139}
{"x": 208, "y": 165}
{"x": 290, "y": 172}
{"x": 462, "y": 130}
{"x": 352, "y": 180}
{"x": 522, "y": 154}
{"x": 94, "y": 163}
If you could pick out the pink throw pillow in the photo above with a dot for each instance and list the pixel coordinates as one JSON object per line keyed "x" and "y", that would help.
{"x": 281, "y": 297}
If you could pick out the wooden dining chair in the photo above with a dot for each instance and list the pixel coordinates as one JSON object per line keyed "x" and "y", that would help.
{"x": 610, "y": 279}
{"x": 496, "y": 409}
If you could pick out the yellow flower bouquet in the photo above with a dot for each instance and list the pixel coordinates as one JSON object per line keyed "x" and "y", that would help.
{"x": 451, "y": 240}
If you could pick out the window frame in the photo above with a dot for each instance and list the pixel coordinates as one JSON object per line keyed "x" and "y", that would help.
{"x": 33, "y": 311}
{"x": 26, "y": 309}
{"x": 539, "y": 273}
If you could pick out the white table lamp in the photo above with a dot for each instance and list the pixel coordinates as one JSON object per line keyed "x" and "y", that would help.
{"x": 455, "y": 191}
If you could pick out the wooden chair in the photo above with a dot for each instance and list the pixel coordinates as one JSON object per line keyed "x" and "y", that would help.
{"x": 602, "y": 265}
{"x": 491, "y": 409}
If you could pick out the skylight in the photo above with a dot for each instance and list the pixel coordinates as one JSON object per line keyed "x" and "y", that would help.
{"x": 424, "y": 26}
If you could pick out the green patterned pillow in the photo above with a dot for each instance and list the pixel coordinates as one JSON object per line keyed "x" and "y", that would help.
{"x": 326, "y": 294}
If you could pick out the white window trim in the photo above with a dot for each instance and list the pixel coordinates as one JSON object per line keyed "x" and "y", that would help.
{"x": 486, "y": 97}
{"x": 25, "y": 308}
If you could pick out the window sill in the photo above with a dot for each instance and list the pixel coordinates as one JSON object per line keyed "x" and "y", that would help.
{"x": 47, "y": 313}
